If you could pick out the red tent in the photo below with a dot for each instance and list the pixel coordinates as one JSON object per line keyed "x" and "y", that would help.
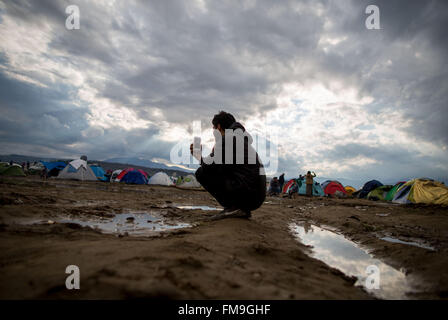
{"x": 288, "y": 185}
{"x": 123, "y": 173}
{"x": 334, "y": 186}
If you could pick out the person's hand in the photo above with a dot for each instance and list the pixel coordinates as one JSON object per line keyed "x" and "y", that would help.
{"x": 197, "y": 156}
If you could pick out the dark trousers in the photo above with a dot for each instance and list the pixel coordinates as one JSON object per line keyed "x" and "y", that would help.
{"x": 232, "y": 192}
{"x": 309, "y": 190}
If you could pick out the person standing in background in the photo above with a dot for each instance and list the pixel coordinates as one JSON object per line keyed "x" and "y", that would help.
{"x": 274, "y": 187}
{"x": 309, "y": 183}
{"x": 281, "y": 181}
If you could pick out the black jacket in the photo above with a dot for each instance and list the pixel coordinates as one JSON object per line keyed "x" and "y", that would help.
{"x": 250, "y": 174}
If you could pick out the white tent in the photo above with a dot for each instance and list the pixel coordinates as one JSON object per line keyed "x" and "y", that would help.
{"x": 77, "y": 170}
{"x": 189, "y": 182}
{"x": 115, "y": 174}
{"x": 37, "y": 166}
{"x": 160, "y": 178}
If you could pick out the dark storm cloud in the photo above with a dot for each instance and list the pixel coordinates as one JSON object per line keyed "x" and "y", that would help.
{"x": 201, "y": 56}
{"x": 416, "y": 86}
{"x": 39, "y": 115}
{"x": 389, "y": 162}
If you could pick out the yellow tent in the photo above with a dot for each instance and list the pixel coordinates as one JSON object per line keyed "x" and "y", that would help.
{"x": 422, "y": 191}
{"x": 349, "y": 190}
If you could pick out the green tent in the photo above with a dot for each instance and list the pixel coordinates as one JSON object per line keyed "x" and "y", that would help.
{"x": 14, "y": 170}
{"x": 390, "y": 195}
{"x": 379, "y": 193}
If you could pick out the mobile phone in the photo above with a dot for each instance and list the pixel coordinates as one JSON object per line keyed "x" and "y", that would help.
{"x": 197, "y": 147}
{"x": 197, "y": 143}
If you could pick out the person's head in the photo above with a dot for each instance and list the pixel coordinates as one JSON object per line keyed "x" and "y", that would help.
{"x": 275, "y": 178}
{"x": 309, "y": 172}
{"x": 222, "y": 121}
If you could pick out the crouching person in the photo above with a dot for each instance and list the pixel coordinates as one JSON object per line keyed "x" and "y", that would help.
{"x": 233, "y": 173}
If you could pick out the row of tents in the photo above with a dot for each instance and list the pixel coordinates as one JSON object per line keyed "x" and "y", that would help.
{"x": 80, "y": 170}
{"x": 422, "y": 190}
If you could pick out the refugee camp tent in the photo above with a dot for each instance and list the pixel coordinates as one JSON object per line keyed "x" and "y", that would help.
{"x": 160, "y": 178}
{"x": 379, "y": 193}
{"x": 36, "y": 167}
{"x": 287, "y": 186}
{"x": 54, "y": 167}
{"x": 188, "y": 182}
{"x": 114, "y": 176}
{"x": 422, "y": 190}
{"x": 134, "y": 177}
{"x": 325, "y": 183}
{"x": 317, "y": 189}
{"x": 125, "y": 171}
{"x": 54, "y": 164}
{"x": 368, "y": 186}
{"x": 99, "y": 172}
{"x": 301, "y": 187}
{"x": 333, "y": 187}
{"x": 390, "y": 195}
{"x": 77, "y": 170}
{"x": 12, "y": 171}
{"x": 349, "y": 190}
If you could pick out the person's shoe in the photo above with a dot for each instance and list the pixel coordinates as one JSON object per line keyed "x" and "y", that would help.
{"x": 229, "y": 209}
{"x": 236, "y": 213}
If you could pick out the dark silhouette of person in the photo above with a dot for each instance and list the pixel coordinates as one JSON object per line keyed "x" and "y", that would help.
{"x": 281, "y": 181}
{"x": 238, "y": 183}
{"x": 274, "y": 187}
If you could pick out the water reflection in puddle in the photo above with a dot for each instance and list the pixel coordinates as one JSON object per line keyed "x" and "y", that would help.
{"x": 134, "y": 224}
{"x": 137, "y": 224}
{"x": 409, "y": 243}
{"x": 205, "y": 208}
{"x": 340, "y": 253}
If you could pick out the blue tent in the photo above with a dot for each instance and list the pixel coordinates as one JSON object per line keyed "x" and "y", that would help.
{"x": 134, "y": 177}
{"x": 369, "y": 186}
{"x": 99, "y": 173}
{"x": 55, "y": 164}
{"x": 54, "y": 167}
{"x": 317, "y": 189}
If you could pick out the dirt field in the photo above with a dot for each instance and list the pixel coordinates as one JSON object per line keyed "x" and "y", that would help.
{"x": 226, "y": 259}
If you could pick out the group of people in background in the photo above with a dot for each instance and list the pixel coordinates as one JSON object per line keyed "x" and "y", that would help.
{"x": 276, "y": 184}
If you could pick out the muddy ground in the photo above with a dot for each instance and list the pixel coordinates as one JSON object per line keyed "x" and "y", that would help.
{"x": 226, "y": 259}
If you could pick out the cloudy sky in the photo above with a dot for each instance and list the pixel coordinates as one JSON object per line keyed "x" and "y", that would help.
{"x": 345, "y": 101}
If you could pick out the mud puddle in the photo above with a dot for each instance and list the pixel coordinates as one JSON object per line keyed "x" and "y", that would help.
{"x": 416, "y": 243}
{"x": 335, "y": 250}
{"x": 204, "y": 208}
{"x": 86, "y": 186}
{"x": 132, "y": 224}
